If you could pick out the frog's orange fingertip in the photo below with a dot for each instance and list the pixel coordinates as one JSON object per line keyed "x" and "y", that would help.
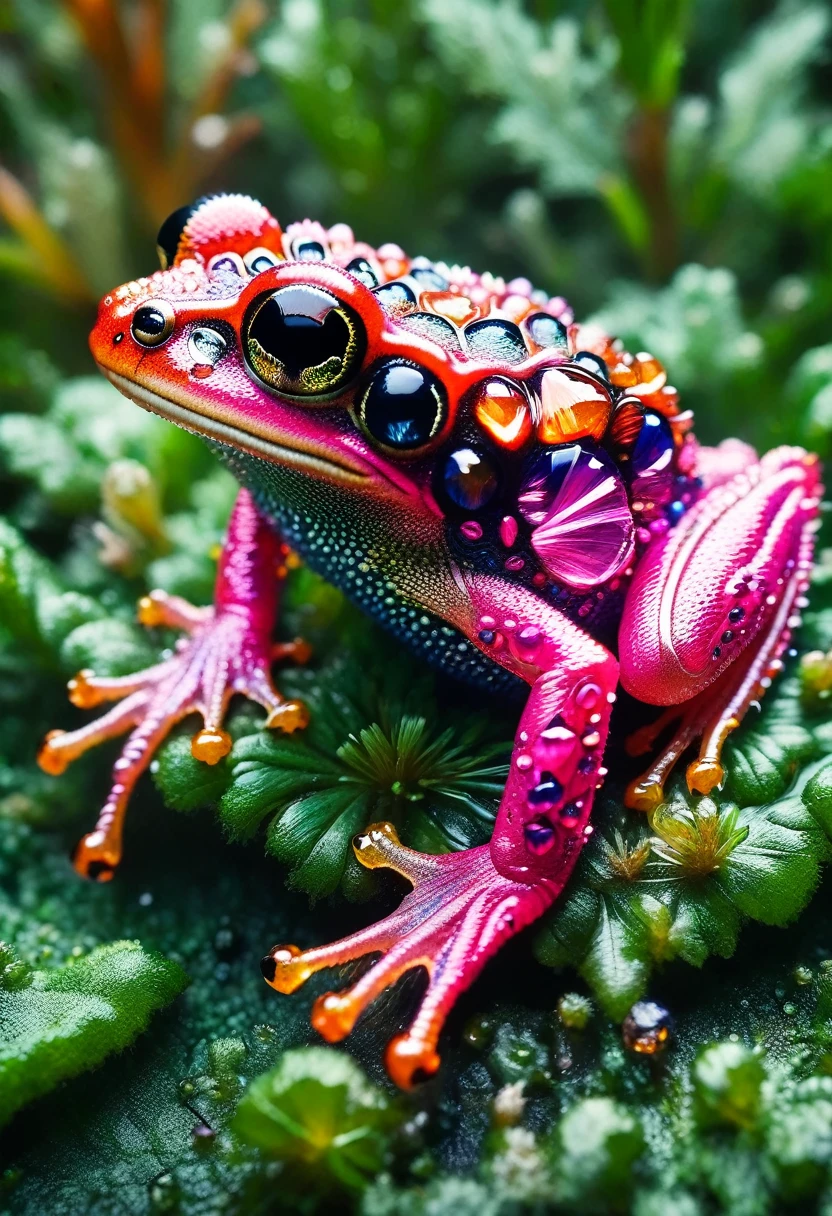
{"x": 284, "y": 970}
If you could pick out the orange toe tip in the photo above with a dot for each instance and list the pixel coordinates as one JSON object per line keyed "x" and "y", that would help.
{"x": 410, "y": 1060}
{"x": 150, "y": 611}
{"x": 333, "y": 1016}
{"x": 369, "y": 846}
{"x": 95, "y": 857}
{"x": 301, "y": 651}
{"x": 644, "y": 795}
{"x": 50, "y": 757}
{"x": 288, "y": 717}
{"x": 210, "y": 745}
{"x": 284, "y": 970}
{"x": 703, "y": 776}
{"x": 80, "y": 693}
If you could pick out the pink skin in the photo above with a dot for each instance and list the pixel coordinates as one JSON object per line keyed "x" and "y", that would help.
{"x": 227, "y": 650}
{"x": 752, "y": 528}
{"x": 712, "y": 607}
{"x": 745, "y": 544}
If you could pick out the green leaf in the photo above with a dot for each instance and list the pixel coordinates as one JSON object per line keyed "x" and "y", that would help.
{"x": 188, "y": 784}
{"x": 761, "y": 762}
{"x": 772, "y": 873}
{"x": 727, "y": 1085}
{"x": 616, "y": 963}
{"x": 69, "y": 1020}
{"x": 316, "y": 1110}
{"x": 596, "y": 1147}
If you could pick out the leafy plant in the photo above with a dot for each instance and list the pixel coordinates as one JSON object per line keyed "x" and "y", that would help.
{"x": 56, "y": 1024}
{"x": 316, "y": 1108}
{"x": 376, "y": 750}
{"x": 668, "y": 168}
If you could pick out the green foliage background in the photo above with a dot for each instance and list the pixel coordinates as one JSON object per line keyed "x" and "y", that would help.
{"x": 667, "y": 166}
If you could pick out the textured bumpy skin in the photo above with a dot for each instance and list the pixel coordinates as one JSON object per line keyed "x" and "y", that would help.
{"x": 513, "y": 494}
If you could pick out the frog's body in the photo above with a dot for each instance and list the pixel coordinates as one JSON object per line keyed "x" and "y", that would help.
{"x": 511, "y": 493}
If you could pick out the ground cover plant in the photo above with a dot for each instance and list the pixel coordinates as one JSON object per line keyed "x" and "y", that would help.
{"x": 668, "y": 168}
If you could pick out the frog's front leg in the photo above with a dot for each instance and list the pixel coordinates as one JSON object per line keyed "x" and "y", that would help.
{"x": 463, "y": 906}
{"x": 227, "y": 649}
{"x": 711, "y": 608}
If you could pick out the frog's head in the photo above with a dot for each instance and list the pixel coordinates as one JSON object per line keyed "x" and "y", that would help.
{"x": 311, "y": 358}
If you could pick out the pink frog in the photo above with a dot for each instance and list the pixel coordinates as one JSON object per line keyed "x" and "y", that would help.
{"x": 510, "y": 492}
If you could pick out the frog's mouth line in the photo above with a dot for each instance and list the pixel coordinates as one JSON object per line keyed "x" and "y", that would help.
{"x": 210, "y": 428}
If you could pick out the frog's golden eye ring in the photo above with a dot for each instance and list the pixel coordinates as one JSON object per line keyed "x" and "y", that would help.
{"x": 403, "y": 408}
{"x": 302, "y": 341}
{"x": 258, "y": 260}
{"x": 153, "y": 324}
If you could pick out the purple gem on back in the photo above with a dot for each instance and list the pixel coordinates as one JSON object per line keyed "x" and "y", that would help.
{"x": 576, "y": 502}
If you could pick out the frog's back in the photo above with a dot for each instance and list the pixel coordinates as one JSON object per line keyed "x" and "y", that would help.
{"x": 568, "y": 455}
{"x": 552, "y": 455}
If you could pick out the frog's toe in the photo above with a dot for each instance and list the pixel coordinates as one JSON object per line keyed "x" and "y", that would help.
{"x": 458, "y": 914}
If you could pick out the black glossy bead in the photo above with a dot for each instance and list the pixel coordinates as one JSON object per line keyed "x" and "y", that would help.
{"x": 469, "y": 479}
{"x": 169, "y": 235}
{"x": 736, "y": 614}
{"x": 647, "y": 1028}
{"x": 547, "y": 331}
{"x": 486, "y": 636}
{"x": 395, "y": 297}
{"x": 361, "y": 269}
{"x": 403, "y": 407}
{"x": 493, "y": 338}
{"x": 592, "y": 363}
{"x": 728, "y": 636}
{"x": 301, "y": 340}
{"x": 309, "y": 251}
{"x": 427, "y": 276}
{"x": 151, "y": 325}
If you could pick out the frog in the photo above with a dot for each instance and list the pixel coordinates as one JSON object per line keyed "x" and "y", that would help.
{"x": 510, "y": 492}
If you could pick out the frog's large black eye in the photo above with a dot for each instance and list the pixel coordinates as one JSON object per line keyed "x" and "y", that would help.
{"x": 302, "y": 341}
{"x": 167, "y": 242}
{"x": 404, "y": 407}
{"x": 152, "y": 324}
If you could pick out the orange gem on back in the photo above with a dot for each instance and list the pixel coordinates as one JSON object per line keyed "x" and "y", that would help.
{"x": 503, "y": 411}
{"x": 571, "y": 407}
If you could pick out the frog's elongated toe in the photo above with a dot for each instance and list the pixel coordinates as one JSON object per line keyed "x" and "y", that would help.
{"x": 458, "y": 914}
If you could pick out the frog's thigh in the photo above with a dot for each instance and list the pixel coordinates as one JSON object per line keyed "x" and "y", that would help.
{"x": 711, "y": 607}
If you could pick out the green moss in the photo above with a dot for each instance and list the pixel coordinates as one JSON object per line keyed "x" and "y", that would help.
{"x": 60, "y": 1023}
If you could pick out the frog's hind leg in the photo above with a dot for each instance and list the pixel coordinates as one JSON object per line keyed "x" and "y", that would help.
{"x": 457, "y": 915}
{"x": 463, "y": 906}
{"x": 711, "y": 611}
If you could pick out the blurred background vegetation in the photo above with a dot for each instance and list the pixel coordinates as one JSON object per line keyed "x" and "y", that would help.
{"x": 667, "y": 166}
{"x": 599, "y": 148}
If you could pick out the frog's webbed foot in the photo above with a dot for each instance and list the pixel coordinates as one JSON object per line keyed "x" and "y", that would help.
{"x": 458, "y": 914}
{"x": 227, "y": 649}
{"x": 711, "y": 611}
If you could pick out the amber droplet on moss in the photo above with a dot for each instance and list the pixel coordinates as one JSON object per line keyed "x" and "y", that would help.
{"x": 647, "y": 1028}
